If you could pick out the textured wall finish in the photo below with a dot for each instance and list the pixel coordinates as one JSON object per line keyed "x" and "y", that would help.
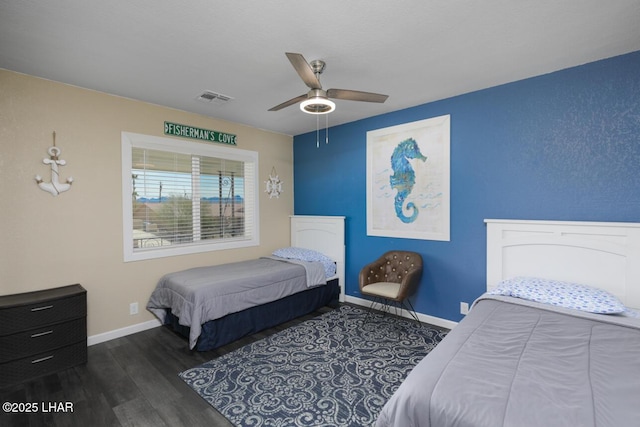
{"x": 76, "y": 237}
{"x": 562, "y": 146}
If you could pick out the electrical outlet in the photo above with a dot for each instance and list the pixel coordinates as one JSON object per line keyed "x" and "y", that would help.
{"x": 133, "y": 308}
{"x": 464, "y": 307}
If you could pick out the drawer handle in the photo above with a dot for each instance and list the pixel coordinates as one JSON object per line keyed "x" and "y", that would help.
{"x": 46, "y": 307}
{"x": 42, "y": 359}
{"x": 41, "y": 334}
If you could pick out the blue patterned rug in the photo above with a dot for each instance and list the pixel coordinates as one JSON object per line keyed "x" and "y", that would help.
{"x": 333, "y": 370}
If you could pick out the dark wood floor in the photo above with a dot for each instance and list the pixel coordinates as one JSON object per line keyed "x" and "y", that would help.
{"x": 129, "y": 381}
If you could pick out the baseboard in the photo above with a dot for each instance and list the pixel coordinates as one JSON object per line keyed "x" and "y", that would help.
{"x": 436, "y": 321}
{"x": 122, "y": 332}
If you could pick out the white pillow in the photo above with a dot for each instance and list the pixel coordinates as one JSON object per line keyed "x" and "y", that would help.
{"x": 563, "y": 294}
{"x": 308, "y": 255}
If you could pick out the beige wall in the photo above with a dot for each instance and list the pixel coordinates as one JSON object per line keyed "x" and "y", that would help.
{"x": 76, "y": 237}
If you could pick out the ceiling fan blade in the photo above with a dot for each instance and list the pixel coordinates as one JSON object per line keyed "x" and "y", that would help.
{"x": 356, "y": 95}
{"x": 289, "y": 102}
{"x": 304, "y": 70}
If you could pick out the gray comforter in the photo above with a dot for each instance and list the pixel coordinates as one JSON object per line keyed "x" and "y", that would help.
{"x": 201, "y": 294}
{"x": 516, "y": 363}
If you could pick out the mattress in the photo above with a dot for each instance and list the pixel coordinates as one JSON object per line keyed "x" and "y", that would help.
{"x": 512, "y": 362}
{"x": 202, "y": 294}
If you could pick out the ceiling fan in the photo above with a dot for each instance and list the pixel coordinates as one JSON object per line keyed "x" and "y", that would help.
{"x": 317, "y": 101}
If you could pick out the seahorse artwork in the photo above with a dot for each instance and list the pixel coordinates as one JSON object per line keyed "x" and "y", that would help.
{"x": 404, "y": 178}
{"x": 54, "y": 187}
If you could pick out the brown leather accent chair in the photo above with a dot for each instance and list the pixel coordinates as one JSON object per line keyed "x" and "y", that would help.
{"x": 392, "y": 279}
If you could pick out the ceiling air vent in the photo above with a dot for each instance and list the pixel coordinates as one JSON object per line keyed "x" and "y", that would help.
{"x": 211, "y": 97}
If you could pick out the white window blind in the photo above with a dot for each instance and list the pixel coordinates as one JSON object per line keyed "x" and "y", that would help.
{"x": 186, "y": 197}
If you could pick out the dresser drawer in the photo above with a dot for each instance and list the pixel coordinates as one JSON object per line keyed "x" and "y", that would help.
{"x": 39, "y": 340}
{"x": 34, "y": 366}
{"x": 41, "y": 313}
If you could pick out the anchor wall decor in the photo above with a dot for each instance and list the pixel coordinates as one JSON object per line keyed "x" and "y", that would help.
{"x": 54, "y": 187}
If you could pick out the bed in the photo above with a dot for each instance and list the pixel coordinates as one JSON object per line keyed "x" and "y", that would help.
{"x": 215, "y": 305}
{"x": 523, "y": 357}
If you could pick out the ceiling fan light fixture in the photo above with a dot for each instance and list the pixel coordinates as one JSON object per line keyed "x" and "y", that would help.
{"x": 317, "y": 105}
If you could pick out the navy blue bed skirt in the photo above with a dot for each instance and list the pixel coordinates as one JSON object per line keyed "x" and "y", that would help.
{"x": 216, "y": 333}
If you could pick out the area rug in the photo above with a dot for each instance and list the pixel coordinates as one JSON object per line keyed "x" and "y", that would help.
{"x": 337, "y": 369}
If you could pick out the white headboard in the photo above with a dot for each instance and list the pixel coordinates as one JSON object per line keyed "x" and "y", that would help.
{"x": 324, "y": 234}
{"x": 601, "y": 254}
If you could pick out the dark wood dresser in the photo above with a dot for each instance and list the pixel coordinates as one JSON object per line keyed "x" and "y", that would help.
{"x": 42, "y": 332}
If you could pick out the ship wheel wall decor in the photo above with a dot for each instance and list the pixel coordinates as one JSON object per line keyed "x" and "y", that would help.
{"x": 274, "y": 185}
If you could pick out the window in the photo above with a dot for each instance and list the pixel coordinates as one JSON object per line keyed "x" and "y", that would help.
{"x": 182, "y": 197}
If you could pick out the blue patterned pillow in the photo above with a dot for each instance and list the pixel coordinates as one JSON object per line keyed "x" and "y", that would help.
{"x": 563, "y": 294}
{"x": 308, "y": 255}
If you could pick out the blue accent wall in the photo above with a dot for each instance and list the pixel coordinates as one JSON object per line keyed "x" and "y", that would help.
{"x": 561, "y": 146}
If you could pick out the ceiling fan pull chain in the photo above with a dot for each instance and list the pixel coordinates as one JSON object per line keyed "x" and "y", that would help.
{"x": 326, "y": 127}
{"x": 317, "y": 131}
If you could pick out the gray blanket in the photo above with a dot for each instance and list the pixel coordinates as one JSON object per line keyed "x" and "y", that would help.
{"x": 201, "y": 294}
{"x": 516, "y": 363}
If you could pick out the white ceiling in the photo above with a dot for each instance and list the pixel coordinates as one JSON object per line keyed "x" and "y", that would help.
{"x": 168, "y": 52}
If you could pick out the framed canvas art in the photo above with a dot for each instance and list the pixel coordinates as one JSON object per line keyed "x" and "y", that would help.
{"x": 408, "y": 168}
